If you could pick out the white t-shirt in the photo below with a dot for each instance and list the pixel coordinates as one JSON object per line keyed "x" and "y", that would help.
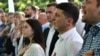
{"x": 68, "y": 44}
{"x": 34, "y": 50}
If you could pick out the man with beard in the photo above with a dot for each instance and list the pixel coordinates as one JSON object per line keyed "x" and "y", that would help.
{"x": 91, "y": 15}
{"x": 30, "y": 11}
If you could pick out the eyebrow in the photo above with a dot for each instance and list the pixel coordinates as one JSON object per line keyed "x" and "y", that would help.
{"x": 56, "y": 14}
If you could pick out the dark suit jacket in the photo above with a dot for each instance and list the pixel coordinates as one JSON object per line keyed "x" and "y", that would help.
{"x": 53, "y": 41}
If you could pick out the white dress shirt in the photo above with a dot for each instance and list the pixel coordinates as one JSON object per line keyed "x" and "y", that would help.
{"x": 34, "y": 50}
{"x": 44, "y": 26}
{"x": 68, "y": 44}
{"x": 49, "y": 39}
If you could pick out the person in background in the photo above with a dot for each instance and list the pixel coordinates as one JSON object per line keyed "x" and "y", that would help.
{"x": 43, "y": 20}
{"x": 41, "y": 10}
{"x": 30, "y": 12}
{"x": 50, "y": 34}
{"x": 8, "y": 48}
{"x": 16, "y": 31}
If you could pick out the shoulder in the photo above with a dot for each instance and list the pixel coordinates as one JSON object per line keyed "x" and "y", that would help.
{"x": 34, "y": 50}
{"x": 36, "y": 46}
{"x": 76, "y": 37}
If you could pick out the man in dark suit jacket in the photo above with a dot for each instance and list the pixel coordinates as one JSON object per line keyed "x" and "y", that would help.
{"x": 50, "y": 34}
{"x": 53, "y": 40}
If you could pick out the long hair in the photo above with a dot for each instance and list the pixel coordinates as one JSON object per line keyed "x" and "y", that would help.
{"x": 36, "y": 27}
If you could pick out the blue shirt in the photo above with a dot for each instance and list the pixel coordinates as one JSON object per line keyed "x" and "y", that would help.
{"x": 2, "y": 26}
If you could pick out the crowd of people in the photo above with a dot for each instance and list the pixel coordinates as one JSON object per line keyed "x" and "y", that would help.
{"x": 61, "y": 29}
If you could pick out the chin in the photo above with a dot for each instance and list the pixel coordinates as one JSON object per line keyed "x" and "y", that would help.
{"x": 84, "y": 19}
{"x": 55, "y": 27}
{"x": 25, "y": 35}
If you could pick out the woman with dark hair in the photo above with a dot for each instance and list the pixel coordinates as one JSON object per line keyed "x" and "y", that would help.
{"x": 33, "y": 31}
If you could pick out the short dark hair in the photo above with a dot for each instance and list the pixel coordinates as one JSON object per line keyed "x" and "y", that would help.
{"x": 32, "y": 7}
{"x": 52, "y": 4}
{"x": 42, "y": 10}
{"x": 69, "y": 10}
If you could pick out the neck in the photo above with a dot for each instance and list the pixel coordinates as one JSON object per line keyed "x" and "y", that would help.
{"x": 31, "y": 39}
{"x": 63, "y": 30}
{"x": 51, "y": 24}
{"x": 33, "y": 15}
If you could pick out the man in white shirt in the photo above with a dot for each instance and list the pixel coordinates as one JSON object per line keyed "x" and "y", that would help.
{"x": 69, "y": 42}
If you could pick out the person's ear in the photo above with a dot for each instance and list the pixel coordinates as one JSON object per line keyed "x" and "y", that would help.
{"x": 69, "y": 21}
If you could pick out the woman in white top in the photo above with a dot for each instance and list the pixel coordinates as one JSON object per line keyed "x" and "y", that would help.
{"x": 32, "y": 29}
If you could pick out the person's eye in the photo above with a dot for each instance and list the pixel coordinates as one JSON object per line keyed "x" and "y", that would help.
{"x": 56, "y": 15}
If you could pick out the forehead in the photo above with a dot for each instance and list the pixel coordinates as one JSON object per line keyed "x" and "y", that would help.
{"x": 58, "y": 11}
{"x": 42, "y": 14}
{"x": 93, "y": 3}
{"x": 28, "y": 7}
{"x": 91, "y": 0}
{"x": 51, "y": 8}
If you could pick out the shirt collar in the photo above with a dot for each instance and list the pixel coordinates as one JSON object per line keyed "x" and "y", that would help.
{"x": 33, "y": 17}
{"x": 67, "y": 33}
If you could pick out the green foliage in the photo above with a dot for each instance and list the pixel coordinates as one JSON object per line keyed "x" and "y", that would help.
{"x": 20, "y": 4}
